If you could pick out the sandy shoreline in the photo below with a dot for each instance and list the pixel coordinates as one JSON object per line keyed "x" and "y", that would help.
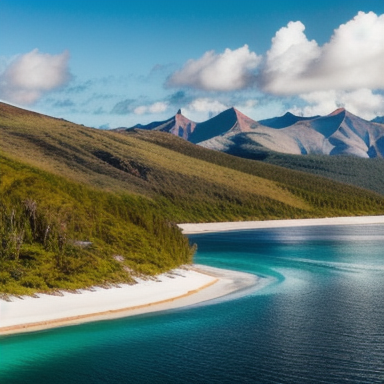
{"x": 177, "y": 289}
{"x": 191, "y": 228}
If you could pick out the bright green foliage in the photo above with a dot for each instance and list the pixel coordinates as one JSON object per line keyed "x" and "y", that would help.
{"x": 361, "y": 172}
{"x": 58, "y": 234}
{"x": 364, "y": 173}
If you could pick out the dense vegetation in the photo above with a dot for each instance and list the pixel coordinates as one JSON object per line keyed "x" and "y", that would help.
{"x": 364, "y": 173}
{"x": 80, "y": 206}
{"x": 59, "y": 234}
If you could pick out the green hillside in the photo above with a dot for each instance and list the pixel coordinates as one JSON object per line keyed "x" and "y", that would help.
{"x": 81, "y": 206}
{"x": 364, "y": 173}
{"x": 60, "y": 234}
{"x": 324, "y": 197}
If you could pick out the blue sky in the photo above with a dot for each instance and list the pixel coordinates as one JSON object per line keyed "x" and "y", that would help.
{"x": 110, "y": 63}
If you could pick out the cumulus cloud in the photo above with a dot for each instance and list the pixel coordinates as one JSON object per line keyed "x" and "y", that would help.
{"x": 154, "y": 108}
{"x": 362, "y": 102}
{"x": 345, "y": 71}
{"x": 353, "y": 59}
{"x": 207, "y": 105}
{"x": 227, "y": 71}
{"x": 30, "y": 76}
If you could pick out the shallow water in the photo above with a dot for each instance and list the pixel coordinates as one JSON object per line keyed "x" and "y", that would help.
{"x": 321, "y": 320}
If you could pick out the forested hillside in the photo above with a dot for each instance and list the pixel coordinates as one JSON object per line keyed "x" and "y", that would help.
{"x": 60, "y": 234}
{"x": 364, "y": 173}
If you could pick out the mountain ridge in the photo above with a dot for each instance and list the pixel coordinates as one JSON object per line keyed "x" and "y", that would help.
{"x": 178, "y": 125}
{"x": 338, "y": 133}
{"x": 284, "y": 121}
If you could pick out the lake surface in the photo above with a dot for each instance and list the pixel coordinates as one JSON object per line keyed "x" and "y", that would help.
{"x": 321, "y": 320}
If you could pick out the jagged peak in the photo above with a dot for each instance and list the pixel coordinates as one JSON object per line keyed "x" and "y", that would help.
{"x": 338, "y": 111}
{"x": 233, "y": 112}
{"x": 239, "y": 114}
{"x": 229, "y": 110}
{"x": 179, "y": 117}
{"x": 345, "y": 113}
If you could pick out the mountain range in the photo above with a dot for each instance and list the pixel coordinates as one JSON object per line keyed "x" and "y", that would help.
{"x": 339, "y": 133}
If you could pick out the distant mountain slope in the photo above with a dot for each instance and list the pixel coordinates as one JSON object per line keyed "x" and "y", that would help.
{"x": 340, "y": 133}
{"x": 229, "y": 122}
{"x": 364, "y": 173}
{"x": 178, "y": 125}
{"x": 378, "y": 119}
{"x": 284, "y": 121}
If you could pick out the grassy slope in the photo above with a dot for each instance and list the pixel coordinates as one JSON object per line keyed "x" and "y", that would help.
{"x": 121, "y": 191}
{"x": 324, "y": 197}
{"x": 363, "y": 173}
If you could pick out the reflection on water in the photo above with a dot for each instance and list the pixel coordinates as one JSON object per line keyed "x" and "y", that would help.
{"x": 320, "y": 321}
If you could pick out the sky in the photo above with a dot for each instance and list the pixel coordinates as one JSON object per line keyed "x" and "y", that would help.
{"x": 115, "y": 63}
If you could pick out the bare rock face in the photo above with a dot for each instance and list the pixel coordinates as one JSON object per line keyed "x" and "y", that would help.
{"x": 178, "y": 125}
{"x": 339, "y": 133}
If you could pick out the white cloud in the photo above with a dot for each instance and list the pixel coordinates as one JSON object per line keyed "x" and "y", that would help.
{"x": 158, "y": 107}
{"x": 249, "y": 103}
{"x": 141, "y": 110}
{"x": 363, "y": 103}
{"x": 200, "y": 109}
{"x": 353, "y": 59}
{"x": 226, "y": 71}
{"x": 207, "y": 105}
{"x": 291, "y": 52}
{"x": 29, "y": 76}
{"x": 154, "y": 108}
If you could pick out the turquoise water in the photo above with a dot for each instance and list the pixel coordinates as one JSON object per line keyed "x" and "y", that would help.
{"x": 321, "y": 320}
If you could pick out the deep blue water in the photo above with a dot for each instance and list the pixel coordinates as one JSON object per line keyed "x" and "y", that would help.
{"x": 321, "y": 320}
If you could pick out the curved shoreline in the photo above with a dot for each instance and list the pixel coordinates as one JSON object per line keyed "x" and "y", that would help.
{"x": 175, "y": 289}
{"x": 194, "y": 228}
{"x": 181, "y": 288}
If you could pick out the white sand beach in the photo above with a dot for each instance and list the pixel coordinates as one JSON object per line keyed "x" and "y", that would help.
{"x": 190, "y": 228}
{"x": 179, "y": 288}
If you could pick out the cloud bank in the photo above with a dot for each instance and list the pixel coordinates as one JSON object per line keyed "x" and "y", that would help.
{"x": 352, "y": 59}
{"x": 361, "y": 102}
{"x": 27, "y": 78}
{"x": 227, "y": 71}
